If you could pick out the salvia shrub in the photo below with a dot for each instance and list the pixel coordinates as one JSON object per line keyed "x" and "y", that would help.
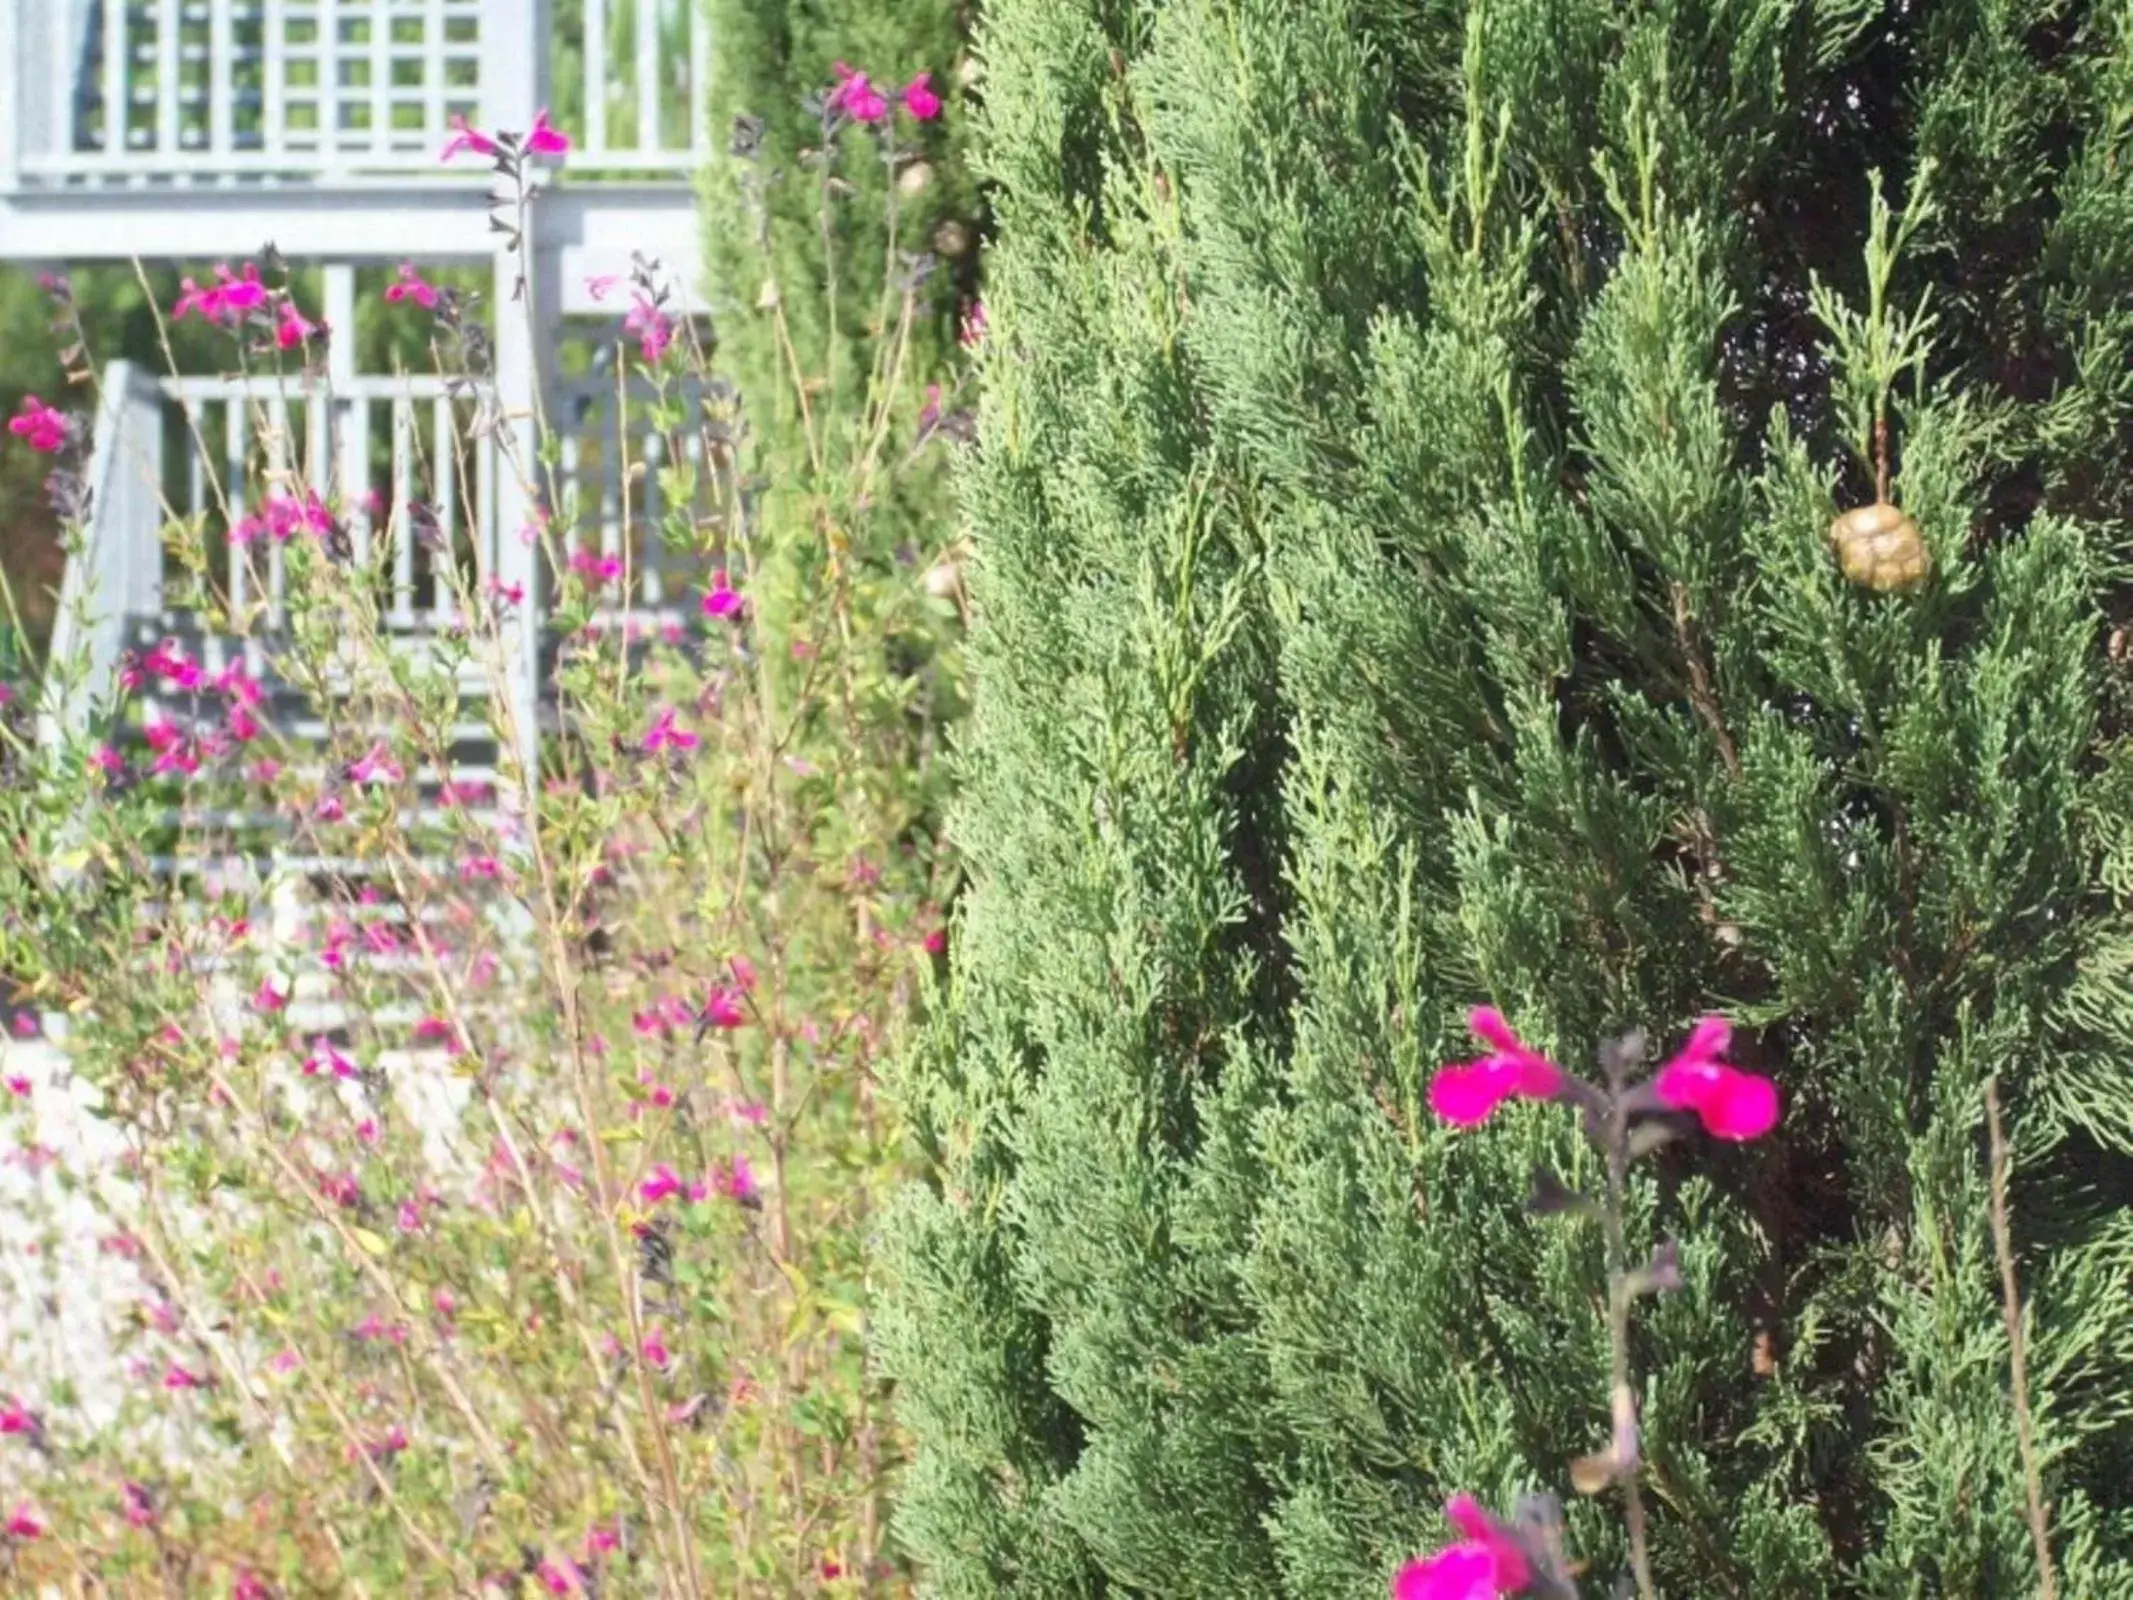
{"x": 493, "y": 1156}
{"x": 1613, "y": 512}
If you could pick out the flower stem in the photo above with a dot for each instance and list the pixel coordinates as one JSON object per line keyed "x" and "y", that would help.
{"x": 1624, "y": 1446}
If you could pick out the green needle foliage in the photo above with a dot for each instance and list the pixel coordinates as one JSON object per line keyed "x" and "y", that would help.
{"x": 1409, "y": 447}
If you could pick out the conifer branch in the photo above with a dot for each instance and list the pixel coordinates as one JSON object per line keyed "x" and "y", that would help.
{"x": 2017, "y": 1355}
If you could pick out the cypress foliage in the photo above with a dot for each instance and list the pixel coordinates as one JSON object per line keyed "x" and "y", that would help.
{"x": 1408, "y": 450}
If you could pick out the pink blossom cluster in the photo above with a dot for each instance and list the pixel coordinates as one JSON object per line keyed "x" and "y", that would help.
{"x": 1486, "y": 1562}
{"x": 282, "y": 517}
{"x": 1730, "y": 1103}
{"x": 856, "y": 96}
{"x": 38, "y": 425}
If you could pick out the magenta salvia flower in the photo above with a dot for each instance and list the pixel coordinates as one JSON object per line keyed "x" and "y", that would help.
{"x": 1485, "y": 1563}
{"x": 38, "y": 425}
{"x": 653, "y": 328}
{"x": 179, "y": 1376}
{"x": 465, "y": 138}
{"x": 736, "y": 1181}
{"x": 19, "y": 1087}
{"x": 666, "y": 734}
{"x": 601, "y": 284}
{"x": 920, "y": 100}
{"x": 856, "y": 96}
{"x": 722, "y": 599}
{"x": 546, "y": 139}
{"x": 15, "y": 1418}
{"x": 291, "y": 326}
{"x": 139, "y": 1507}
{"x": 1730, "y": 1103}
{"x": 376, "y": 766}
{"x": 1467, "y": 1093}
{"x": 247, "y": 1585}
{"x": 1460, "y": 1572}
{"x": 412, "y": 286}
{"x": 724, "y": 1009}
{"x": 226, "y": 300}
{"x": 23, "y": 1523}
{"x": 664, "y": 1181}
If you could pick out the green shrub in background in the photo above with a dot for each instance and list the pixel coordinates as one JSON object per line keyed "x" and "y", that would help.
{"x": 1403, "y": 580}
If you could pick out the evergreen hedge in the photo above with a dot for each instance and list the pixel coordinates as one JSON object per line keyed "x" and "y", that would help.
{"x": 1410, "y": 441}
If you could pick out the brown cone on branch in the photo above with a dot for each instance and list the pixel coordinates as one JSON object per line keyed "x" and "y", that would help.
{"x": 1880, "y": 548}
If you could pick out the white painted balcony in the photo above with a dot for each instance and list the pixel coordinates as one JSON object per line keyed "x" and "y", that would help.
{"x": 196, "y": 129}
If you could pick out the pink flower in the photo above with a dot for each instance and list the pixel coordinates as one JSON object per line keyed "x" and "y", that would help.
{"x": 140, "y": 1509}
{"x": 601, "y": 285}
{"x": 325, "y": 1058}
{"x": 480, "y": 869}
{"x": 594, "y": 568}
{"x": 559, "y": 1577}
{"x": 18, "y": 1086}
{"x": 1487, "y": 1562}
{"x": 178, "y": 1376}
{"x": 975, "y": 323}
{"x": 599, "y": 1538}
{"x": 743, "y": 971}
{"x": 284, "y": 1360}
{"x": 936, "y": 942}
{"x": 722, "y": 600}
{"x": 107, "y": 761}
{"x": 22, "y": 1522}
{"x": 1730, "y": 1103}
{"x": 239, "y": 294}
{"x": 291, "y": 327}
{"x": 1461, "y": 1572}
{"x": 1467, "y": 1093}
{"x": 737, "y": 1181}
{"x": 377, "y": 766}
{"x": 653, "y": 328}
{"x": 546, "y": 139}
{"x": 920, "y": 100}
{"x": 192, "y": 298}
{"x": 169, "y": 662}
{"x": 856, "y": 96}
{"x": 269, "y": 997}
{"x": 466, "y": 138}
{"x": 43, "y": 428}
{"x": 655, "y": 1347}
{"x": 662, "y": 1183}
{"x": 723, "y": 1008}
{"x": 664, "y": 734}
{"x": 14, "y": 1418}
{"x": 239, "y": 684}
{"x": 434, "y": 1030}
{"x": 412, "y": 287}
{"x": 248, "y": 1586}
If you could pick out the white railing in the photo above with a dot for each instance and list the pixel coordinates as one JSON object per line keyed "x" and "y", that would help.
{"x": 413, "y": 471}
{"x": 144, "y": 92}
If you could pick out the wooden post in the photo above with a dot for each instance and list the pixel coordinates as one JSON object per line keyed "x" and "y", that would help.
{"x": 514, "y": 76}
